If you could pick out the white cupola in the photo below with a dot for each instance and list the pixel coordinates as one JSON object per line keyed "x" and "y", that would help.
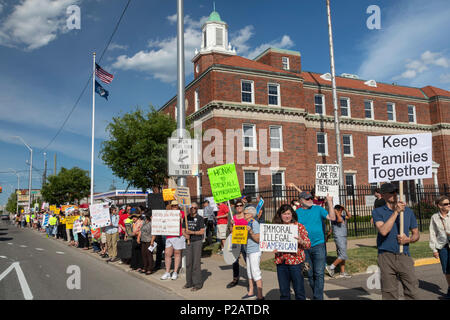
{"x": 215, "y": 36}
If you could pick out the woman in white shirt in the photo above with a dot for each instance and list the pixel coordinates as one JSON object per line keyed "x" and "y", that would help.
{"x": 440, "y": 237}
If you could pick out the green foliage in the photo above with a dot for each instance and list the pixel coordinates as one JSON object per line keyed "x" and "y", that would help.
{"x": 426, "y": 209}
{"x": 70, "y": 185}
{"x": 11, "y": 205}
{"x": 137, "y": 149}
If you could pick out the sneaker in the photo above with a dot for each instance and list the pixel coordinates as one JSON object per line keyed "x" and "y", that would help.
{"x": 344, "y": 275}
{"x": 330, "y": 271}
{"x": 174, "y": 276}
{"x": 165, "y": 276}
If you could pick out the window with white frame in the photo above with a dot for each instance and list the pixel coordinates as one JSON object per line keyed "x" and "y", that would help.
{"x": 347, "y": 142}
{"x": 276, "y": 138}
{"x": 247, "y": 91}
{"x": 391, "y": 111}
{"x": 412, "y": 114}
{"x": 278, "y": 183}
{"x": 319, "y": 103}
{"x": 274, "y": 93}
{"x": 249, "y": 136}
{"x": 368, "y": 109}
{"x": 285, "y": 62}
{"x": 322, "y": 145}
{"x": 251, "y": 181}
{"x": 345, "y": 107}
{"x": 350, "y": 182}
{"x": 197, "y": 100}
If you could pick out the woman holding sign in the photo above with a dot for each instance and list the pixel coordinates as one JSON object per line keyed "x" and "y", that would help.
{"x": 289, "y": 264}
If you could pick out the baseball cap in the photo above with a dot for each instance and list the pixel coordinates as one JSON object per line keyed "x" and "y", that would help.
{"x": 305, "y": 195}
{"x": 388, "y": 188}
{"x": 174, "y": 203}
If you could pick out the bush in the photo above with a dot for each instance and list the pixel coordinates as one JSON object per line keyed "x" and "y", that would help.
{"x": 426, "y": 209}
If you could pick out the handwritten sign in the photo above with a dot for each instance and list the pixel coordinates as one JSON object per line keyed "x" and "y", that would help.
{"x": 239, "y": 235}
{"x": 100, "y": 216}
{"x": 224, "y": 182}
{"x": 77, "y": 227}
{"x": 278, "y": 237}
{"x": 183, "y": 196}
{"x": 327, "y": 180}
{"x": 165, "y": 222}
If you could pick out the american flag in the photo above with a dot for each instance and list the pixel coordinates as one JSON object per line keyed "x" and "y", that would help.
{"x": 103, "y": 75}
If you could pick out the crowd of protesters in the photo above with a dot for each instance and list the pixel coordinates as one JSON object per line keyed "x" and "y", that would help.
{"x": 129, "y": 240}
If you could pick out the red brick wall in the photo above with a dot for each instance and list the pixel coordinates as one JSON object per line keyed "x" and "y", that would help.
{"x": 274, "y": 59}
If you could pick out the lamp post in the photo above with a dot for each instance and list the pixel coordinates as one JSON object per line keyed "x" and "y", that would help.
{"x": 31, "y": 171}
{"x": 18, "y": 188}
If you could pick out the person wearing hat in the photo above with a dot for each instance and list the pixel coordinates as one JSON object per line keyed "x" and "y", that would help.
{"x": 395, "y": 266}
{"x": 311, "y": 216}
{"x": 136, "y": 262}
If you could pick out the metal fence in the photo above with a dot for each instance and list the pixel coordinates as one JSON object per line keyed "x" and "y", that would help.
{"x": 358, "y": 200}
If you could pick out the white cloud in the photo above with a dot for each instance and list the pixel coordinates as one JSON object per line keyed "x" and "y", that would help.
{"x": 445, "y": 78}
{"x": 35, "y": 23}
{"x": 240, "y": 39}
{"x": 284, "y": 43}
{"x": 116, "y": 46}
{"x": 428, "y": 61}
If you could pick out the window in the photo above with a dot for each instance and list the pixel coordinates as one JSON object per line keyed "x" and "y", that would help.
{"x": 197, "y": 100}
{"x": 412, "y": 114}
{"x": 251, "y": 181}
{"x": 350, "y": 182}
{"x": 274, "y": 93}
{"x": 204, "y": 39}
{"x": 249, "y": 131}
{"x": 276, "y": 140}
{"x": 347, "y": 142}
{"x": 285, "y": 63}
{"x": 247, "y": 91}
{"x": 322, "y": 146}
{"x": 345, "y": 107}
{"x": 219, "y": 37}
{"x": 368, "y": 109}
{"x": 391, "y": 111}
{"x": 277, "y": 183}
{"x": 319, "y": 104}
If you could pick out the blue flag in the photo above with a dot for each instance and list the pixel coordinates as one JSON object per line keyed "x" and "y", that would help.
{"x": 102, "y": 92}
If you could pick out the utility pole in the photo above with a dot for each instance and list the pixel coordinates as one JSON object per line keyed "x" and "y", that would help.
{"x": 54, "y": 169}
{"x": 44, "y": 176}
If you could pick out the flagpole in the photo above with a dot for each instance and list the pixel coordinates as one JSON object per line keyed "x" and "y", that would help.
{"x": 93, "y": 130}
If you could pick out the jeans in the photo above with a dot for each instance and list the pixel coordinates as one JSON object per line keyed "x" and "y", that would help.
{"x": 236, "y": 263}
{"x": 288, "y": 274}
{"x": 316, "y": 257}
{"x": 444, "y": 256}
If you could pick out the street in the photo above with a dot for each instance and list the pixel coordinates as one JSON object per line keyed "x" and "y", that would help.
{"x": 46, "y": 269}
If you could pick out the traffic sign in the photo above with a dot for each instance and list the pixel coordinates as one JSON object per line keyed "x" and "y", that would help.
{"x": 183, "y": 156}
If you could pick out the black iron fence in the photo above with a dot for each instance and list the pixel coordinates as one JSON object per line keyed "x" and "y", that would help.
{"x": 358, "y": 200}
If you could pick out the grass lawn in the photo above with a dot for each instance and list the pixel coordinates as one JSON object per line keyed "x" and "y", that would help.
{"x": 361, "y": 258}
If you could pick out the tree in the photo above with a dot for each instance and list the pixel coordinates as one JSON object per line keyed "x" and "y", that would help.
{"x": 70, "y": 185}
{"x": 137, "y": 149}
{"x": 11, "y": 205}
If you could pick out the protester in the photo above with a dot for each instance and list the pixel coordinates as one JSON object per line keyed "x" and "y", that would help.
{"x": 340, "y": 239}
{"x": 83, "y": 236}
{"x": 193, "y": 233}
{"x": 122, "y": 217}
{"x": 238, "y": 220}
{"x": 440, "y": 237}
{"x": 136, "y": 262}
{"x": 145, "y": 239}
{"x": 174, "y": 246}
{"x": 289, "y": 264}
{"x": 69, "y": 228}
{"x": 253, "y": 255}
{"x": 311, "y": 217}
{"x": 208, "y": 213}
{"x": 379, "y": 201}
{"x": 395, "y": 266}
{"x": 222, "y": 223}
{"x": 112, "y": 235}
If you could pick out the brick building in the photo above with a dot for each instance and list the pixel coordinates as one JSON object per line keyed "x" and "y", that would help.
{"x": 272, "y": 94}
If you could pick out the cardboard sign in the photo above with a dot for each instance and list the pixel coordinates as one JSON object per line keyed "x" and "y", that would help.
{"x": 224, "y": 183}
{"x": 278, "y": 237}
{"x": 183, "y": 196}
{"x": 327, "y": 180}
{"x": 100, "y": 216}
{"x": 77, "y": 227}
{"x": 239, "y": 235}
{"x": 169, "y": 194}
{"x": 166, "y": 222}
{"x": 400, "y": 157}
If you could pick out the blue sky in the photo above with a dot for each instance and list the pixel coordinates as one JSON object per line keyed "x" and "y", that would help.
{"x": 45, "y": 66}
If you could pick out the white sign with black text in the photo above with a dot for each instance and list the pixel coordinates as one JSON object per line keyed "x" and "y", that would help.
{"x": 327, "y": 180}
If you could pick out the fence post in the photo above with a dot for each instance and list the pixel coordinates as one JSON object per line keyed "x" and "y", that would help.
{"x": 419, "y": 206}
{"x": 354, "y": 209}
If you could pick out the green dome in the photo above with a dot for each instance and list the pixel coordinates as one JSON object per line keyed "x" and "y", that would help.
{"x": 214, "y": 16}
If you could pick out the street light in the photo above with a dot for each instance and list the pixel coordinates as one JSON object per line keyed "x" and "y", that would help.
{"x": 31, "y": 171}
{"x": 18, "y": 188}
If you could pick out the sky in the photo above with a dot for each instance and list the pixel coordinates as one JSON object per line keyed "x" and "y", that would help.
{"x": 45, "y": 65}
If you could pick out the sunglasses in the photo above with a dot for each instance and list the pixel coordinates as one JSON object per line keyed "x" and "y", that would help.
{"x": 445, "y": 204}
{"x": 309, "y": 198}
{"x": 239, "y": 205}
{"x": 194, "y": 207}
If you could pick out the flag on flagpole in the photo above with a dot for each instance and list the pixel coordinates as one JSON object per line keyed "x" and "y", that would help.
{"x": 103, "y": 75}
{"x": 102, "y": 92}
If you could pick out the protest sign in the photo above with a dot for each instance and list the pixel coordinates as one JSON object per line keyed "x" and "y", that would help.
{"x": 45, "y": 220}
{"x": 212, "y": 203}
{"x": 259, "y": 206}
{"x": 100, "y": 215}
{"x": 169, "y": 194}
{"x": 239, "y": 235}
{"x": 77, "y": 227}
{"x": 69, "y": 221}
{"x": 53, "y": 208}
{"x": 278, "y": 237}
{"x": 400, "y": 157}
{"x": 224, "y": 182}
{"x": 183, "y": 196}
{"x": 327, "y": 180}
{"x": 166, "y": 222}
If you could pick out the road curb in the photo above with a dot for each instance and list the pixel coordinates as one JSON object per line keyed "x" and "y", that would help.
{"x": 425, "y": 261}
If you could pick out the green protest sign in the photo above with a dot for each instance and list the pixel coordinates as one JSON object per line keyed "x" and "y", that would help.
{"x": 224, "y": 182}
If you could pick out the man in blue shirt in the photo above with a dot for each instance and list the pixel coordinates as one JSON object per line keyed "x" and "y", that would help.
{"x": 112, "y": 235}
{"x": 395, "y": 266}
{"x": 311, "y": 216}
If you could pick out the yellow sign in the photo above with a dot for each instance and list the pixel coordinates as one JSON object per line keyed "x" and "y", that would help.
{"x": 53, "y": 208}
{"x": 70, "y": 220}
{"x": 169, "y": 194}
{"x": 239, "y": 235}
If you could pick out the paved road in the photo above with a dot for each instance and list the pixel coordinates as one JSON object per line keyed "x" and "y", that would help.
{"x": 45, "y": 264}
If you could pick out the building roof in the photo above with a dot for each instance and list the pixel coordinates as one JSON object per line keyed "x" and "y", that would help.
{"x": 312, "y": 77}
{"x": 240, "y": 62}
{"x": 431, "y": 91}
{"x": 214, "y": 16}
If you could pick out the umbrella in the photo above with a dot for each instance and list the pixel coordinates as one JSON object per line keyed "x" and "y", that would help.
{"x": 84, "y": 206}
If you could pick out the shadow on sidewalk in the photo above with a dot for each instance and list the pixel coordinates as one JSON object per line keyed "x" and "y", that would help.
{"x": 430, "y": 287}
{"x": 346, "y": 294}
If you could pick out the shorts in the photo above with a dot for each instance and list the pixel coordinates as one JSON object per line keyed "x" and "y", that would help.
{"x": 341, "y": 247}
{"x": 103, "y": 237}
{"x": 253, "y": 270}
{"x": 178, "y": 243}
{"x": 222, "y": 231}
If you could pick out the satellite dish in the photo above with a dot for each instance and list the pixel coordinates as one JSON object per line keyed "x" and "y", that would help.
{"x": 231, "y": 251}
